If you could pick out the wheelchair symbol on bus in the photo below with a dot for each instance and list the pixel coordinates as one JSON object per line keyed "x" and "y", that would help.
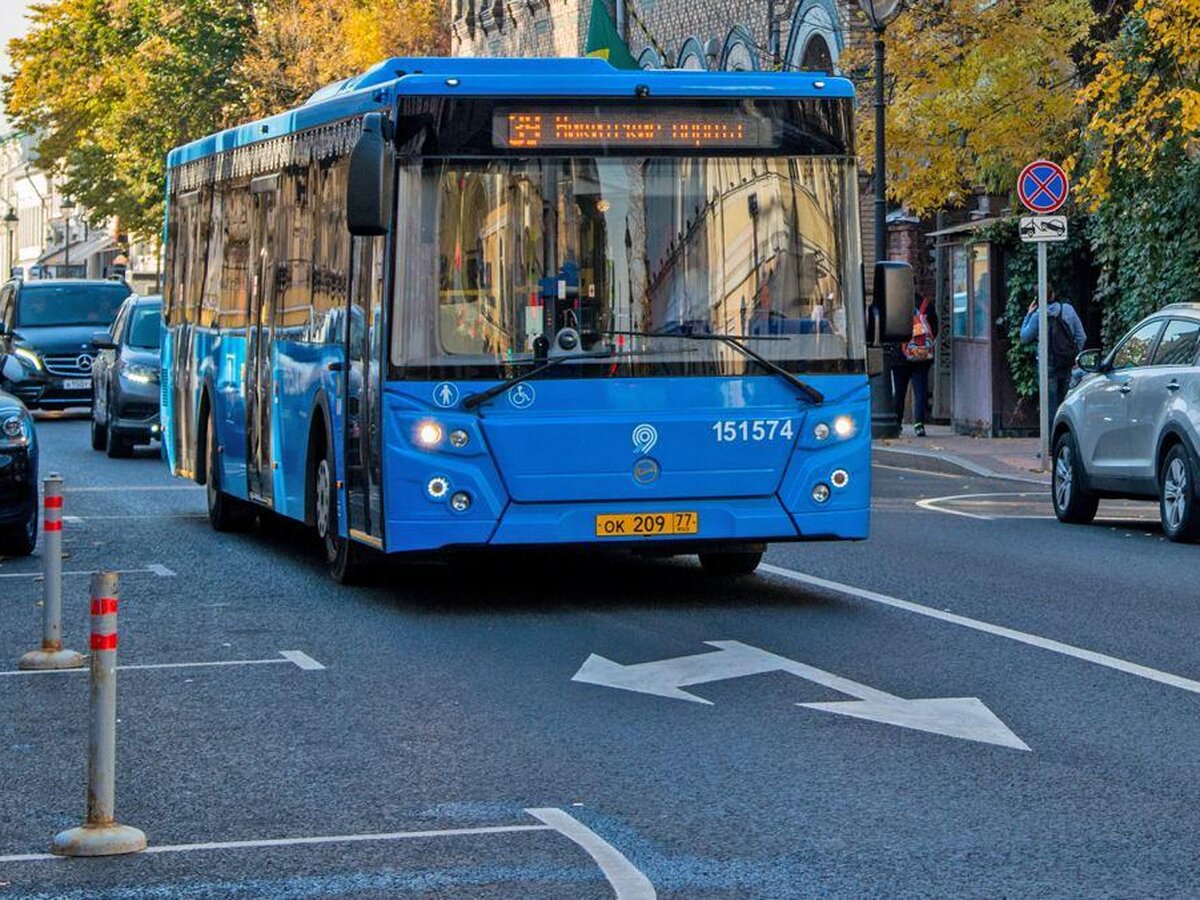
{"x": 521, "y": 395}
{"x": 445, "y": 394}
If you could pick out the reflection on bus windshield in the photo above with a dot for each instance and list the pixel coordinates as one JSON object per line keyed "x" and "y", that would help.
{"x": 520, "y": 249}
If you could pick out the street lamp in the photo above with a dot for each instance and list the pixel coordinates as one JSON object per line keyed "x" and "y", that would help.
{"x": 67, "y": 206}
{"x": 10, "y": 225}
{"x": 879, "y": 13}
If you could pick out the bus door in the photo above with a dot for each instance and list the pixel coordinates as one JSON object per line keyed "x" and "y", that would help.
{"x": 364, "y": 338}
{"x": 260, "y": 395}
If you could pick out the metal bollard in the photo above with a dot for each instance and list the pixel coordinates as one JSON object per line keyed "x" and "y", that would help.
{"x": 100, "y": 835}
{"x": 52, "y": 655}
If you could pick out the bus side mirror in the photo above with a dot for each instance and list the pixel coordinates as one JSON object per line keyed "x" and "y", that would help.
{"x": 372, "y": 179}
{"x": 893, "y": 304}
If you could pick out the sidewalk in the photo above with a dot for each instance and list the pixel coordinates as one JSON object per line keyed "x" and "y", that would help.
{"x": 1014, "y": 458}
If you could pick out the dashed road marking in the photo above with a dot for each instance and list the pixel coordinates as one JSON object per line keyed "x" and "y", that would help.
{"x": 296, "y": 657}
{"x": 149, "y": 569}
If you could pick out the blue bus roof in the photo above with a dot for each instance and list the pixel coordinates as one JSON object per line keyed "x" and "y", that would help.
{"x": 378, "y": 87}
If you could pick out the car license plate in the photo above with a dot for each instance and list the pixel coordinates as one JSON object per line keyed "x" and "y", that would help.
{"x": 647, "y": 524}
{"x": 77, "y": 384}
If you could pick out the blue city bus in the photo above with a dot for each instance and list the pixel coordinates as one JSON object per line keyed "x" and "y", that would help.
{"x": 456, "y": 303}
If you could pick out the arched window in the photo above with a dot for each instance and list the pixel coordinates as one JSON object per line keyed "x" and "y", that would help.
{"x": 739, "y": 54}
{"x": 649, "y": 59}
{"x": 816, "y": 40}
{"x": 691, "y": 55}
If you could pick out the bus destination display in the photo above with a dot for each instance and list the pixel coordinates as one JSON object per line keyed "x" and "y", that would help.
{"x": 656, "y": 129}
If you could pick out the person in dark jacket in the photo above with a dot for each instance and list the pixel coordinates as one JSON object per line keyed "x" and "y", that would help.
{"x": 913, "y": 365}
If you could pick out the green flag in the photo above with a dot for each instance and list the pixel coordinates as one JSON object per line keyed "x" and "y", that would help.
{"x": 605, "y": 42}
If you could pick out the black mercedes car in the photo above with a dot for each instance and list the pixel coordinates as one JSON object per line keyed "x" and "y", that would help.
{"x": 48, "y": 327}
{"x": 18, "y": 475}
{"x": 125, "y": 378}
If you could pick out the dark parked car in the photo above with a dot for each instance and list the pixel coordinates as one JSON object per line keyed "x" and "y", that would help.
{"x": 125, "y": 393}
{"x": 18, "y": 476}
{"x": 48, "y": 327}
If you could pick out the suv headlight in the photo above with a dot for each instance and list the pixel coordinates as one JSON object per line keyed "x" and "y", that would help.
{"x": 29, "y": 358}
{"x": 140, "y": 374}
{"x": 14, "y": 430}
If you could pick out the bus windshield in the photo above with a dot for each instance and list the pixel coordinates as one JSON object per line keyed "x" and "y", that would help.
{"x": 500, "y": 254}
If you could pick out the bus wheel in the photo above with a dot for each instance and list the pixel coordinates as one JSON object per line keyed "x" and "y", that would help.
{"x": 349, "y": 562}
{"x": 731, "y": 562}
{"x": 225, "y": 513}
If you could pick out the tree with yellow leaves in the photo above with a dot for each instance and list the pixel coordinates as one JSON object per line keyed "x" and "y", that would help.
{"x": 1145, "y": 99}
{"x": 303, "y": 45}
{"x": 977, "y": 89}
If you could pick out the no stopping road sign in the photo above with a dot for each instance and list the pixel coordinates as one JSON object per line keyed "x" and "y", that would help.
{"x": 1043, "y": 186}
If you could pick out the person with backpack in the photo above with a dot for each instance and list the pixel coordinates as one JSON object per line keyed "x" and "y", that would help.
{"x": 916, "y": 359}
{"x": 1066, "y": 339}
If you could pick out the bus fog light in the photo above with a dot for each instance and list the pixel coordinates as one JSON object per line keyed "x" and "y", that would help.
{"x": 429, "y": 434}
{"x": 821, "y": 431}
{"x": 438, "y": 487}
{"x": 821, "y": 493}
{"x": 459, "y": 438}
{"x": 843, "y": 426}
{"x": 840, "y": 478}
{"x": 460, "y": 502}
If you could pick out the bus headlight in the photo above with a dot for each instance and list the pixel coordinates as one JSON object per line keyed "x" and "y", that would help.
{"x": 460, "y": 502}
{"x": 438, "y": 487}
{"x": 820, "y": 493}
{"x": 839, "y": 478}
{"x": 429, "y": 434}
{"x": 459, "y": 438}
{"x": 843, "y": 426}
{"x": 821, "y": 432}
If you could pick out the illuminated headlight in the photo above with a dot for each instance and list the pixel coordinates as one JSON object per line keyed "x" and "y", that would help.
{"x": 429, "y": 434}
{"x": 839, "y": 478}
{"x": 821, "y": 432}
{"x": 13, "y": 431}
{"x": 843, "y": 426}
{"x": 821, "y": 493}
{"x": 29, "y": 357}
{"x": 460, "y": 502}
{"x": 438, "y": 487}
{"x": 459, "y": 438}
{"x": 140, "y": 374}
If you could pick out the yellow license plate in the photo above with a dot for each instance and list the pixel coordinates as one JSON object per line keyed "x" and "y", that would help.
{"x": 647, "y": 524}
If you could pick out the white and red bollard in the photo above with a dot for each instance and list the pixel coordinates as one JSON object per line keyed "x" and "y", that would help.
{"x": 100, "y": 835}
{"x": 51, "y": 655}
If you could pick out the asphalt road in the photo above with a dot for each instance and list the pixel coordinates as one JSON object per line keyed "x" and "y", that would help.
{"x": 446, "y": 709}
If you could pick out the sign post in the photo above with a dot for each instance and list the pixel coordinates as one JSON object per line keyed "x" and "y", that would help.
{"x": 1042, "y": 187}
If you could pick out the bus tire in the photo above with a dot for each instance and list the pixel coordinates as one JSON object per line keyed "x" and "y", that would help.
{"x": 349, "y": 562}
{"x": 225, "y": 513}
{"x": 731, "y": 562}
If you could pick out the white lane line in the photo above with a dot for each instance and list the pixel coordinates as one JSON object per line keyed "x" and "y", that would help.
{"x": 295, "y": 657}
{"x": 79, "y": 520}
{"x": 151, "y": 569}
{"x": 927, "y": 504}
{"x": 301, "y": 659}
{"x": 301, "y": 841}
{"x": 72, "y": 520}
{"x": 628, "y": 882}
{"x": 1022, "y": 637}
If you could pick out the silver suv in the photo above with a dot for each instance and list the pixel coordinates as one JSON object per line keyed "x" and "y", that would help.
{"x": 1131, "y": 427}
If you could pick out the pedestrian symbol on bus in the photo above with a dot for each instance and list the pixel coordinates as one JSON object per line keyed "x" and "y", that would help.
{"x": 521, "y": 395}
{"x": 445, "y": 394}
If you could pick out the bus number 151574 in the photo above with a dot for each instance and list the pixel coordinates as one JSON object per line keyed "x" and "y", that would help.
{"x": 753, "y": 430}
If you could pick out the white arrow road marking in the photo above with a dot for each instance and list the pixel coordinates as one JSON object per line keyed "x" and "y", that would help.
{"x": 961, "y": 717}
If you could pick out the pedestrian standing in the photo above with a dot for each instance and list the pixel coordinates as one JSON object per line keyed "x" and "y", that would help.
{"x": 916, "y": 359}
{"x": 1065, "y": 341}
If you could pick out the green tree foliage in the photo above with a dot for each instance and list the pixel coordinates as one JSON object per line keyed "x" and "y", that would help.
{"x": 108, "y": 86}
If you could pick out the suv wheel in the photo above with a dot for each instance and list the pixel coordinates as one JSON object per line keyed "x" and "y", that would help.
{"x": 19, "y": 540}
{"x": 1177, "y": 504}
{"x": 1073, "y": 502}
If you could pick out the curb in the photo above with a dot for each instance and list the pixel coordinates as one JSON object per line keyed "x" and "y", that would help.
{"x": 967, "y": 465}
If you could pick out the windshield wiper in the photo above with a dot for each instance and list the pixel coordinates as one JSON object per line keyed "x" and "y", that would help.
{"x": 730, "y": 341}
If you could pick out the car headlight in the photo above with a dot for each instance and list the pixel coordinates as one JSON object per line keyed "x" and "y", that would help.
{"x": 14, "y": 430}
{"x": 29, "y": 358}
{"x": 140, "y": 374}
